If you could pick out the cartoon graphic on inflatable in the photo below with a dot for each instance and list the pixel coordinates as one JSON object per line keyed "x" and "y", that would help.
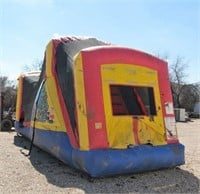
{"x": 100, "y": 108}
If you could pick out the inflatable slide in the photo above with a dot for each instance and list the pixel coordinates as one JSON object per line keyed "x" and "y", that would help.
{"x": 100, "y": 108}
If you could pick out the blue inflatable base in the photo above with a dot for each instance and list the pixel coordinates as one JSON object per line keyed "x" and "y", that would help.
{"x": 106, "y": 162}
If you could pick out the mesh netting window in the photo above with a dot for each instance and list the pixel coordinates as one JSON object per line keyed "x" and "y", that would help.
{"x": 132, "y": 100}
{"x": 42, "y": 107}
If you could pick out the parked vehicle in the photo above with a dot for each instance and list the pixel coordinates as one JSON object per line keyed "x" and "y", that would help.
{"x": 6, "y": 120}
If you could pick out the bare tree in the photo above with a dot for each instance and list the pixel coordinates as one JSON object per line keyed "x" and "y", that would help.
{"x": 3, "y": 83}
{"x": 189, "y": 96}
{"x": 177, "y": 78}
{"x": 36, "y": 66}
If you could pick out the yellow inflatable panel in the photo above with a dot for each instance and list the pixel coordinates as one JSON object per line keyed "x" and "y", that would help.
{"x": 81, "y": 104}
{"x": 121, "y": 128}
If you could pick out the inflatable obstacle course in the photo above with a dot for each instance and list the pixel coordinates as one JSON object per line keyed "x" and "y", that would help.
{"x": 100, "y": 108}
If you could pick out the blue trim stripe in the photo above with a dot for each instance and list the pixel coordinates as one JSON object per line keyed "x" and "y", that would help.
{"x": 106, "y": 162}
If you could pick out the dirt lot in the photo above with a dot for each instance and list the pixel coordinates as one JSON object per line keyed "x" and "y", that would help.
{"x": 42, "y": 173}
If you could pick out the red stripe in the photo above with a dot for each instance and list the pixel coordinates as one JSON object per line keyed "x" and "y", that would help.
{"x": 94, "y": 102}
{"x": 27, "y": 124}
{"x": 171, "y": 141}
{"x": 140, "y": 101}
{"x": 135, "y": 131}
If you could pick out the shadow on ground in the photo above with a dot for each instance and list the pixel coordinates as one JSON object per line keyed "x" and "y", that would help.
{"x": 173, "y": 180}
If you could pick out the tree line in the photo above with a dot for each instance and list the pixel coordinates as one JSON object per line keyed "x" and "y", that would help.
{"x": 184, "y": 95}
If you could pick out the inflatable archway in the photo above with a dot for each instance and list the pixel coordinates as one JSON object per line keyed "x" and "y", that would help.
{"x": 100, "y": 108}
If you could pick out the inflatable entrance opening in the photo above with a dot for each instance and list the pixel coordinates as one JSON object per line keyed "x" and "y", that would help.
{"x": 100, "y": 108}
{"x": 132, "y": 100}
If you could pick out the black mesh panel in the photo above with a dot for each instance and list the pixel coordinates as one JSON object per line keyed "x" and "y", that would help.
{"x": 64, "y": 68}
{"x": 31, "y": 85}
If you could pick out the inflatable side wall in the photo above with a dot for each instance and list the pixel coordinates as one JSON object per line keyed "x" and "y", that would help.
{"x": 100, "y": 108}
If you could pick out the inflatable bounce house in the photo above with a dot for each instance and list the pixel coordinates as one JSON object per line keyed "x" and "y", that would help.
{"x": 100, "y": 108}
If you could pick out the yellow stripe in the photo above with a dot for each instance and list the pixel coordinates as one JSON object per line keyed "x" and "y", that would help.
{"x": 52, "y": 97}
{"x": 48, "y": 126}
{"x": 81, "y": 103}
{"x": 19, "y": 98}
{"x": 49, "y": 52}
{"x": 54, "y": 103}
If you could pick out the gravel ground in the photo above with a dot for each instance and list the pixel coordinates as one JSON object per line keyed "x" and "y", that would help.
{"x": 42, "y": 173}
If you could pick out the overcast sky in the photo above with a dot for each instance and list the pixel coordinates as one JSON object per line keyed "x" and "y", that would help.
{"x": 164, "y": 27}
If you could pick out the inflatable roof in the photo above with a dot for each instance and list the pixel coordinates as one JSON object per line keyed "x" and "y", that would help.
{"x": 100, "y": 108}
